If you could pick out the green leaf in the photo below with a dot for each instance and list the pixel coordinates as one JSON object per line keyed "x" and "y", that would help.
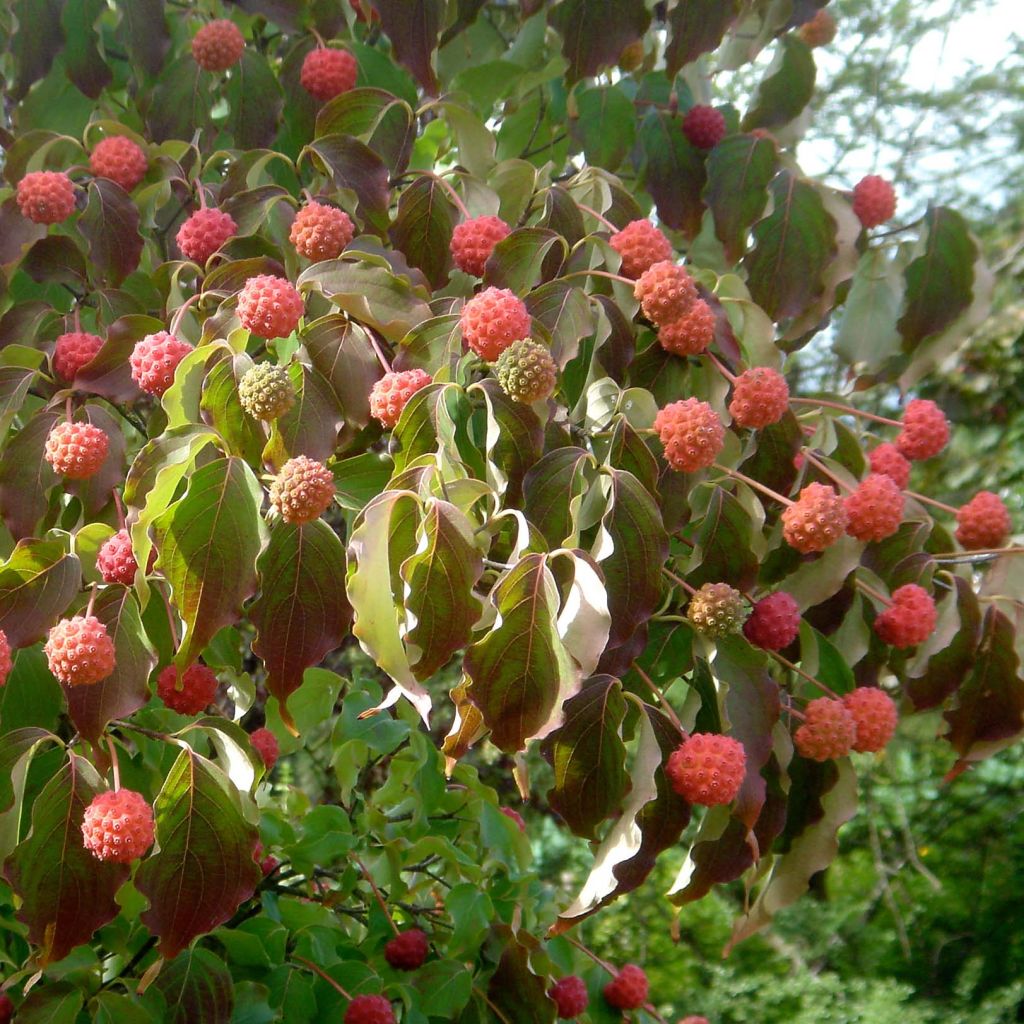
{"x": 595, "y": 32}
{"x": 378, "y": 118}
{"x": 143, "y": 29}
{"x": 360, "y": 478}
{"x": 311, "y": 426}
{"x": 697, "y": 27}
{"x": 588, "y": 756}
{"x": 66, "y": 893}
{"x": 256, "y": 101}
{"x": 55, "y": 1003}
{"x": 793, "y": 247}
{"x": 518, "y": 261}
{"x": 514, "y": 441}
{"x": 443, "y": 988}
{"x": 180, "y": 103}
{"x": 553, "y": 494}
{"x": 787, "y": 87}
{"x": 18, "y": 743}
{"x": 739, "y": 170}
{"x": 673, "y": 171}
{"x": 343, "y": 353}
{"x": 203, "y": 867}
{"x": 940, "y": 281}
{"x": 567, "y": 314}
{"x": 25, "y": 475}
{"x": 14, "y": 384}
{"x": 722, "y": 551}
{"x": 423, "y": 228}
{"x": 113, "y": 1008}
{"x": 302, "y": 612}
{"x": 82, "y": 60}
{"x": 208, "y": 541}
{"x": 413, "y": 27}
{"x": 867, "y": 335}
{"x": 110, "y": 224}
{"x": 197, "y": 989}
{"x": 514, "y": 991}
{"x": 606, "y": 125}
{"x": 37, "y": 583}
{"x": 241, "y": 433}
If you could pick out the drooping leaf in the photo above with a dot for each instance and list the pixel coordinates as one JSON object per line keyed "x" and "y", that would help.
{"x": 311, "y": 426}
{"x": 343, "y": 353}
{"x": 413, "y": 27}
{"x": 66, "y": 892}
{"x": 222, "y": 407}
{"x": 595, "y": 32}
{"x": 423, "y": 228}
{"x": 674, "y": 172}
{"x": 82, "y": 60}
{"x": 739, "y": 170}
{"x": 26, "y": 476}
{"x": 110, "y": 224}
{"x": 566, "y": 312}
{"x": 722, "y": 550}
{"x": 378, "y": 118}
{"x": 697, "y": 26}
{"x": 197, "y": 988}
{"x": 202, "y": 868}
{"x": 37, "y": 583}
{"x": 143, "y": 29}
{"x": 606, "y": 125}
{"x": 787, "y": 87}
{"x": 109, "y": 374}
{"x": 519, "y": 261}
{"x": 353, "y": 165}
{"x": 58, "y": 1003}
{"x": 553, "y": 493}
{"x": 514, "y": 440}
{"x": 255, "y": 99}
{"x": 867, "y": 334}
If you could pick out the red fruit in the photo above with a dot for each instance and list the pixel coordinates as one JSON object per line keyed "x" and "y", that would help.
{"x": 760, "y": 396}
{"x": 79, "y": 651}
{"x": 388, "y": 397}
{"x": 328, "y": 73}
{"x": 204, "y": 232}
{"x": 118, "y": 826}
{"x": 925, "y": 430}
{"x": 641, "y": 245}
{"x": 628, "y": 989}
{"x": 369, "y": 1010}
{"x": 666, "y": 292}
{"x": 874, "y": 200}
{"x": 774, "y": 623}
{"x": 570, "y": 996}
{"x": 691, "y": 433}
{"x": 704, "y": 126}
{"x": 264, "y": 742}
{"x": 874, "y": 716}
{"x": 302, "y": 490}
{"x": 828, "y": 731}
{"x": 707, "y": 768}
{"x": 875, "y": 509}
{"x": 910, "y": 620}
{"x": 887, "y": 459}
{"x": 321, "y": 232}
{"x": 198, "y": 688}
{"x": 218, "y": 45}
{"x": 6, "y": 1008}
{"x": 269, "y": 307}
{"x": 514, "y": 815}
{"x": 118, "y": 158}
{"x": 46, "y": 197}
{"x": 407, "y": 950}
{"x": 691, "y": 333}
{"x": 474, "y": 240}
{"x": 76, "y": 450}
{"x": 492, "y": 320}
{"x": 5, "y": 658}
{"x": 72, "y": 351}
{"x": 820, "y": 30}
{"x": 154, "y": 360}
{"x": 115, "y": 559}
{"x": 816, "y": 520}
{"x": 984, "y": 522}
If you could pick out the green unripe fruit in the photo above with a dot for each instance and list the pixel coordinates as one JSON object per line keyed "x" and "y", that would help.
{"x": 716, "y": 610}
{"x": 526, "y": 371}
{"x": 266, "y": 391}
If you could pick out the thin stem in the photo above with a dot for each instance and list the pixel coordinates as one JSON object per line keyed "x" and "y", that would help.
{"x": 721, "y": 367}
{"x": 376, "y": 893}
{"x": 152, "y": 734}
{"x": 497, "y": 1013}
{"x": 600, "y": 273}
{"x": 815, "y": 461}
{"x": 119, "y": 507}
{"x": 848, "y": 409}
{"x": 653, "y": 687}
{"x": 92, "y": 601}
{"x": 78, "y": 319}
{"x": 323, "y": 974}
{"x": 597, "y": 216}
{"x": 871, "y": 592}
{"x": 180, "y": 314}
{"x": 113, "y": 763}
{"x": 593, "y": 956}
{"x": 800, "y": 672}
{"x": 381, "y": 358}
{"x": 170, "y": 620}
{"x": 678, "y": 579}
{"x": 967, "y": 556}
{"x": 750, "y": 482}
{"x": 925, "y": 500}
{"x": 69, "y": 413}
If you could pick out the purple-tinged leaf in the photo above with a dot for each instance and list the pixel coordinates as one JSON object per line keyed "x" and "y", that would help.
{"x": 722, "y": 551}
{"x": 109, "y": 373}
{"x": 739, "y": 170}
{"x": 423, "y": 228}
{"x": 378, "y": 118}
{"x": 343, "y": 353}
{"x": 515, "y": 993}
{"x": 674, "y": 172}
{"x": 197, "y": 989}
{"x": 697, "y": 26}
{"x": 553, "y": 493}
{"x": 37, "y": 583}
{"x": 256, "y": 101}
{"x": 352, "y": 164}
{"x": 311, "y": 426}
{"x": 143, "y": 29}
{"x": 595, "y": 32}
{"x": 525, "y": 258}
{"x": 413, "y": 27}
{"x": 25, "y": 476}
{"x": 515, "y": 438}
{"x": 83, "y": 62}
{"x": 110, "y": 224}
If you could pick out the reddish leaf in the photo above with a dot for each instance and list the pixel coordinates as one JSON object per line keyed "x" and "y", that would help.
{"x": 343, "y": 353}
{"x": 354, "y": 165}
{"x": 25, "y": 476}
{"x": 110, "y": 224}
{"x": 514, "y": 991}
{"x": 413, "y": 27}
{"x": 94, "y": 493}
{"x": 311, "y": 425}
{"x": 82, "y": 60}
{"x": 739, "y": 169}
{"x": 595, "y": 32}
{"x": 674, "y": 172}
{"x": 143, "y": 29}
{"x": 37, "y": 583}
{"x": 697, "y": 27}
{"x": 423, "y": 228}
{"x": 180, "y": 101}
{"x": 378, "y": 118}
{"x": 553, "y": 490}
{"x": 66, "y": 892}
{"x": 197, "y": 989}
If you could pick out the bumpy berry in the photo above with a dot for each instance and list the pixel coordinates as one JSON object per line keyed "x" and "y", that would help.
{"x": 72, "y": 351}
{"x": 816, "y": 520}
{"x": 717, "y": 610}
{"x": 267, "y": 863}
{"x": 198, "y": 688}
{"x": 5, "y": 658}
{"x": 925, "y": 430}
{"x": 302, "y": 490}
{"x": 570, "y": 996}
{"x": 266, "y": 391}
{"x": 704, "y": 126}
{"x": 774, "y": 623}
{"x": 984, "y": 522}
{"x": 328, "y": 73}
{"x": 874, "y": 716}
{"x": 79, "y": 651}
{"x": 874, "y": 201}
{"x": 46, "y": 197}
{"x": 118, "y": 158}
{"x": 628, "y": 989}
{"x": 828, "y": 731}
{"x": 820, "y": 30}
{"x": 641, "y": 245}
{"x": 321, "y": 232}
{"x": 514, "y": 815}
{"x": 269, "y": 307}
{"x": 76, "y": 450}
{"x": 264, "y": 742}
{"x": 910, "y": 620}
{"x": 691, "y": 433}
{"x": 407, "y": 950}
{"x": 390, "y": 394}
{"x": 154, "y": 360}
{"x": 369, "y": 1010}
{"x": 875, "y": 509}
{"x": 474, "y": 240}
{"x": 760, "y": 396}
{"x": 707, "y": 768}
{"x": 691, "y": 333}
{"x": 666, "y": 292}
{"x": 888, "y": 459}
{"x": 115, "y": 559}
{"x": 118, "y": 826}
{"x": 526, "y": 371}
{"x": 204, "y": 232}
{"x": 218, "y": 45}
{"x": 492, "y": 320}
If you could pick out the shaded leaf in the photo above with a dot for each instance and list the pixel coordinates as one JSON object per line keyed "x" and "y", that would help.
{"x": 37, "y": 583}
{"x": 423, "y": 228}
{"x": 310, "y": 427}
{"x": 739, "y": 170}
{"x": 82, "y": 60}
{"x": 378, "y": 118}
{"x": 553, "y": 494}
{"x": 343, "y": 353}
{"x": 867, "y": 334}
{"x": 722, "y": 551}
{"x": 786, "y": 88}
{"x": 606, "y": 125}
{"x": 354, "y": 165}
{"x": 595, "y": 32}
{"x": 413, "y": 27}
{"x": 673, "y": 171}
{"x": 25, "y": 475}
{"x": 256, "y": 101}
{"x": 697, "y": 26}
{"x": 518, "y": 261}
{"x": 110, "y": 224}
{"x": 514, "y": 441}
{"x": 197, "y": 989}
